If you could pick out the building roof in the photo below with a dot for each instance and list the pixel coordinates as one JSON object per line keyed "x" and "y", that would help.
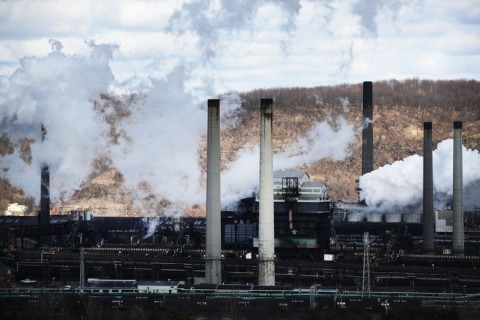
{"x": 289, "y": 174}
{"x": 159, "y": 283}
{"x": 313, "y": 185}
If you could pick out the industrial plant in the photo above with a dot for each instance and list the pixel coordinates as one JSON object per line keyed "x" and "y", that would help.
{"x": 289, "y": 246}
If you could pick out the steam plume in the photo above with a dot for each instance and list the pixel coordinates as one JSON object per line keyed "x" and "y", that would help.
{"x": 321, "y": 141}
{"x": 55, "y": 91}
{"x": 398, "y": 187}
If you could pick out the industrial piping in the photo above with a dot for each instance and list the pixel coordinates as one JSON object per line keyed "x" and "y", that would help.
{"x": 458, "y": 227}
{"x": 266, "y": 245}
{"x": 213, "y": 262}
{"x": 367, "y": 132}
{"x": 428, "y": 215}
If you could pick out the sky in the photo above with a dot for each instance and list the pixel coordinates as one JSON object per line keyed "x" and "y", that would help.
{"x": 58, "y": 57}
{"x": 248, "y": 44}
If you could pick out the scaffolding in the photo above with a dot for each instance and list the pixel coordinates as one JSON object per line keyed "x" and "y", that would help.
{"x": 366, "y": 266}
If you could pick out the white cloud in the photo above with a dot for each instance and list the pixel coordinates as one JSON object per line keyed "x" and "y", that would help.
{"x": 351, "y": 41}
{"x": 380, "y": 187}
{"x": 183, "y": 52}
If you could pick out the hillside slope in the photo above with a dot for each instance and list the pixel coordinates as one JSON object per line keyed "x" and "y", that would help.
{"x": 400, "y": 108}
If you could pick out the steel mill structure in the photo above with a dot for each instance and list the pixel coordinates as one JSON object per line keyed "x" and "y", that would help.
{"x": 289, "y": 236}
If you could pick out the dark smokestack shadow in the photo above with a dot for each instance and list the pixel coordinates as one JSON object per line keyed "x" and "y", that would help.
{"x": 44, "y": 214}
{"x": 428, "y": 214}
{"x": 367, "y": 132}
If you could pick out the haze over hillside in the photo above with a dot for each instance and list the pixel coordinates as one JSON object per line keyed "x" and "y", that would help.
{"x": 316, "y": 130}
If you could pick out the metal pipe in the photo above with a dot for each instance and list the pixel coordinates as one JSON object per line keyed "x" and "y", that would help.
{"x": 458, "y": 227}
{"x": 367, "y": 132}
{"x": 428, "y": 215}
{"x": 213, "y": 253}
{"x": 290, "y": 218}
{"x": 266, "y": 245}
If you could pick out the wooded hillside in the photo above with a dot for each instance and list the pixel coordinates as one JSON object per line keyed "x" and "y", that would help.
{"x": 400, "y": 108}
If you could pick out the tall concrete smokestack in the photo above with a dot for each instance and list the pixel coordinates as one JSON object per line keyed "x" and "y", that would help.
{"x": 458, "y": 235}
{"x": 428, "y": 216}
{"x": 44, "y": 214}
{"x": 367, "y": 132}
{"x": 213, "y": 262}
{"x": 266, "y": 245}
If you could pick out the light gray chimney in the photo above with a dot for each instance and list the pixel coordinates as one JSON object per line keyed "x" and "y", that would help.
{"x": 458, "y": 235}
{"x": 213, "y": 252}
{"x": 428, "y": 215}
{"x": 266, "y": 245}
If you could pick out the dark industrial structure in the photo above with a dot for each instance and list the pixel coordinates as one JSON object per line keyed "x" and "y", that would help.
{"x": 428, "y": 214}
{"x": 312, "y": 240}
{"x": 367, "y": 132}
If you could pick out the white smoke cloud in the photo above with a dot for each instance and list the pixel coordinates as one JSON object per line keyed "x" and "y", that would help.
{"x": 231, "y": 103}
{"x": 241, "y": 178}
{"x": 151, "y": 224}
{"x": 157, "y": 152}
{"x": 368, "y": 11}
{"x": 345, "y": 104}
{"x": 210, "y": 20}
{"x": 160, "y": 155}
{"x": 321, "y": 141}
{"x": 164, "y": 134}
{"x": 55, "y": 91}
{"x": 367, "y": 122}
{"x": 399, "y": 186}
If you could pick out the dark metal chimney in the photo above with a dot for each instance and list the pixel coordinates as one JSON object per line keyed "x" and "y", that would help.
{"x": 367, "y": 133}
{"x": 458, "y": 227}
{"x": 213, "y": 266}
{"x": 44, "y": 214}
{"x": 428, "y": 215}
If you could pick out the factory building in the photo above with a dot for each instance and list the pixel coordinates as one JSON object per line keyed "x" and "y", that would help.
{"x": 302, "y": 210}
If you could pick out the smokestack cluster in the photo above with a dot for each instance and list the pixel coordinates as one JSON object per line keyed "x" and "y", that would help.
{"x": 458, "y": 237}
{"x": 458, "y": 227}
{"x": 266, "y": 245}
{"x": 367, "y": 132}
{"x": 428, "y": 215}
{"x": 213, "y": 266}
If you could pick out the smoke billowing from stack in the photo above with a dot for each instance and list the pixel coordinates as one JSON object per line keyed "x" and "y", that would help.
{"x": 428, "y": 215}
{"x": 367, "y": 132}
{"x": 458, "y": 235}
{"x": 266, "y": 246}
{"x": 213, "y": 268}
{"x": 44, "y": 214}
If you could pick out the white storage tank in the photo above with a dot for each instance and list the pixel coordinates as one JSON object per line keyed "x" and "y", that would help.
{"x": 412, "y": 218}
{"x": 355, "y": 217}
{"x": 374, "y": 217}
{"x": 393, "y": 217}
